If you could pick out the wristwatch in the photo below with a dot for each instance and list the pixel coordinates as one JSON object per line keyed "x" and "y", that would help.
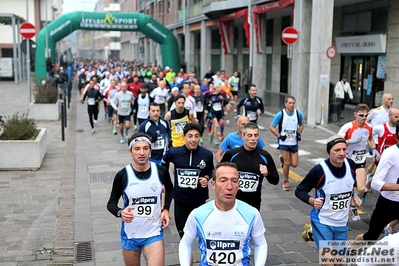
{"x": 119, "y": 213}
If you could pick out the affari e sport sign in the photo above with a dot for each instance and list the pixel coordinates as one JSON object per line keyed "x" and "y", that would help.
{"x": 364, "y": 44}
{"x": 110, "y": 22}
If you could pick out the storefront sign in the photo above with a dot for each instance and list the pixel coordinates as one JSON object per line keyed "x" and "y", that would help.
{"x": 364, "y": 44}
{"x": 110, "y": 22}
{"x": 382, "y": 59}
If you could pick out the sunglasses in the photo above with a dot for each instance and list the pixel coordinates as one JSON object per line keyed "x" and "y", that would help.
{"x": 362, "y": 115}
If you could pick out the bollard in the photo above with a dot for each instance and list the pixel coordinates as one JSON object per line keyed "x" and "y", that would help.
{"x": 62, "y": 122}
{"x": 65, "y": 110}
{"x": 69, "y": 94}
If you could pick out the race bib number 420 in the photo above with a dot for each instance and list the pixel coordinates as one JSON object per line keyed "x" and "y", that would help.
{"x": 222, "y": 252}
{"x": 187, "y": 178}
{"x": 248, "y": 182}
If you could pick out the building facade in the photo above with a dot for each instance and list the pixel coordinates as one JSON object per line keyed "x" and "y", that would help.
{"x": 224, "y": 35}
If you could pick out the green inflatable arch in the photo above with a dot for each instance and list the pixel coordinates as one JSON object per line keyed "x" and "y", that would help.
{"x": 101, "y": 21}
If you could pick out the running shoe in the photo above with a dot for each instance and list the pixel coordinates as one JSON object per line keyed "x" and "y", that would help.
{"x": 307, "y": 233}
{"x": 221, "y": 137}
{"x": 281, "y": 160}
{"x": 95, "y": 121}
{"x": 364, "y": 195}
{"x": 122, "y": 140}
{"x": 355, "y": 214}
{"x": 114, "y": 132}
{"x": 388, "y": 230}
{"x": 286, "y": 186}
{"x": 105, "y": 116}
{"x": 216, "y": 143}
{"x": 93, "y": 131}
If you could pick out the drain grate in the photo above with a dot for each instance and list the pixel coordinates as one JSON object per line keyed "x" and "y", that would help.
{"x": 79, "y": 130}
{"x": 102, "y": 177}
{"x": 83, "y": 251}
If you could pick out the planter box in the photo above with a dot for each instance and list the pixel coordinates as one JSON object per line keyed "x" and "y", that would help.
{"x": 44, "y": 111}
{"x": 23, "y": 154}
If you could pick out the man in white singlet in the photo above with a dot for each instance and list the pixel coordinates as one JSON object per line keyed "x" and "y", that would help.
{"x": 212, "y": 223}
{"x": 144, "y": 215}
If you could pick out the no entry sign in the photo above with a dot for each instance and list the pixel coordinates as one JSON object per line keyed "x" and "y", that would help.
{"x": 289, "y": 35}
{"x": 27, "y": 30}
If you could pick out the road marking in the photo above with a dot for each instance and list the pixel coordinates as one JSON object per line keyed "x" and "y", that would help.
{"x": 292, "y": 175}
{"x": 322, "y": 141}
{"x": 316, "y": 160}
{"x": 300, "y": 152}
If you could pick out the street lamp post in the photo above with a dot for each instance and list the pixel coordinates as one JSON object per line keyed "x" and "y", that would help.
{"x": 251, "y": 43}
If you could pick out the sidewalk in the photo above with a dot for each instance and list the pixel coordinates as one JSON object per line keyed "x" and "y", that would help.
{"x": 46, "y": 212}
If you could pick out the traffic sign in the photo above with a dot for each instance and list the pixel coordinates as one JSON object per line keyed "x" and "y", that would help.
{"x": 289, "y": 35}
{"x": 331, "y": 52}
{"x": 27, "y": 30}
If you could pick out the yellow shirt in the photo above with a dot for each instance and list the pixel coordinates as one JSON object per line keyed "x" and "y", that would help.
{"x": 177, "y": 122}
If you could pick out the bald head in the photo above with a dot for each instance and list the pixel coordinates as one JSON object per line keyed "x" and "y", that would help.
{"x": 241, "y": 121}
{"x": 393, "y": 117}
{"x": 387, "y": 100}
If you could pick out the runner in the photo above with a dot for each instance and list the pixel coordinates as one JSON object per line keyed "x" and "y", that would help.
{"x": 141, "y": 104}
{"x": 214, "y": 221}
{"x": 143, "y": 215}
{"x": 193, "y": 166}
{"x": 178, "y": 118}
{"x": 358, "y": 135}
{"x": 93, "y": 97}
{"x": 290, "y": 127}
{"x": 215, "y": 102}
{"x": 235, "y": 139}
{"x": 122, "y": 104}
{"x": 109, "y": 94}
{"x": 252, "y": 105}
{"x": 159, "y": 130}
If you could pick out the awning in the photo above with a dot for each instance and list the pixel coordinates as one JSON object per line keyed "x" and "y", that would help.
{"x": 225, "y": 30}
{"x": 258, "y": 12}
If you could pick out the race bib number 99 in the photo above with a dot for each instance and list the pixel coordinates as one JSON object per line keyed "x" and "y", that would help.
{"x": 248, "y": 182}
{"x": 222, "y": 252}
{"x": 340, "y": 202}
{"x": 187, "y": 178}
{"x": 290, "y": 134}
{"x": 144, "y": 207}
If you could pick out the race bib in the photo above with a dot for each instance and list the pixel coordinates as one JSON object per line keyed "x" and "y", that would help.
{"x": 144, "y": 207}
{"x": 252, "y": 116}
{"x": 91, "y": 101}
{"x": 222, "y": 252}
{"x": 187, "y": 178}
{"x": 290, "y": 134}
{"x": 199, "y": 108}
{"x": 217, "y": 107}
{"x": 340, "y": 202}
{"x": 359, "y": 157}
{"x": 162, "y": 99}
{"x": 248, "y": 182}
{"x": 125, "y": 105}
{"x": 142, "y": 108}
{"x": 159, "y": 144}
{"x": 179, "y": 127}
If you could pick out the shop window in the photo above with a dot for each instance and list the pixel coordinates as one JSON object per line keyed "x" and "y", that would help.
{"x": 216, "y": 39}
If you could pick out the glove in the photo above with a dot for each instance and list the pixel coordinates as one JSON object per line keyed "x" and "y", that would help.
{"x": 82, "y": 101}
{"x": 154, "y": 138}
{"x": 96, "y": 101}
{"x": 376, "y": 154}
{"x": 355, "y": 140}
{"x": 283, "y": 138}
{"x": 298, "y": 136}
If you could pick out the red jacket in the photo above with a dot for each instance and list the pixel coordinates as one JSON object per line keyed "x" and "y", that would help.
{"x": 134, "y": 87}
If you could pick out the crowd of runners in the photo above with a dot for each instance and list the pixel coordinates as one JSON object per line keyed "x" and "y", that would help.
{"x": 173, "y": 112}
